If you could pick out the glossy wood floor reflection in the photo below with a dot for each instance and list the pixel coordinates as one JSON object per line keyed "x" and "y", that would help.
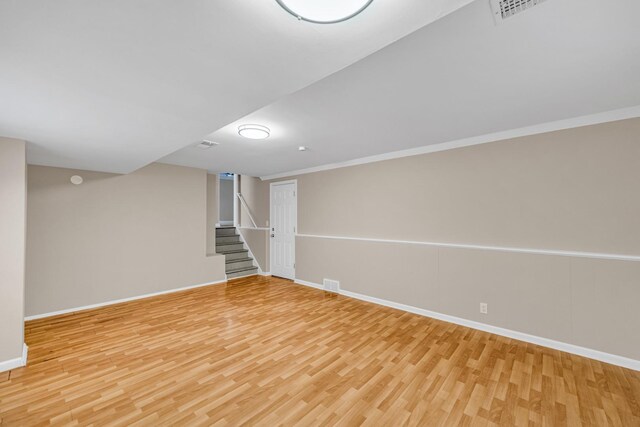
{"x": 268, "y": 352}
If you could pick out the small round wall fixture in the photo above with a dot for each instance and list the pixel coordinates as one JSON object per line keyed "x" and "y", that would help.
{"x": 254, "y": 131}
{"x": 76, "y": 180}
{"x": 324, "y": 11}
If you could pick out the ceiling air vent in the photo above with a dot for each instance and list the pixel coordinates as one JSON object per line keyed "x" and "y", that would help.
{"x": 206, "y": 144}
{"x": 503, "y": 9}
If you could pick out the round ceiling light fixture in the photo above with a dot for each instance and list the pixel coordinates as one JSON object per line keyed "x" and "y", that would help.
{"x": 254, "y": 131}
{"x": 324, "y": 11}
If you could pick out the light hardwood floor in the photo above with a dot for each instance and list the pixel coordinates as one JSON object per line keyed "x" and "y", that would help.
{"x": 264, "y": 351}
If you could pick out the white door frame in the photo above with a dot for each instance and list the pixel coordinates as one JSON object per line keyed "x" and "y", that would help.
{"x": 236, "y": 202}
{"x": 295, "y": 189}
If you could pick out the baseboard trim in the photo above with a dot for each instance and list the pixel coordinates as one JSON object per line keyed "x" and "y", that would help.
{"x": 265, "y": 273}
{"x": 613, "y": 359}
{"x": 310, "y": 284}
{"x": 118, "y": 301}
{"x": 18, "y": 362}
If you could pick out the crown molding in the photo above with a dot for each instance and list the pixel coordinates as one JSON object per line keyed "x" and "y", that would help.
{"x": 593, "y": 119}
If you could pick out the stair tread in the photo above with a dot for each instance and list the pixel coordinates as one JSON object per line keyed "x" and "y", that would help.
{"x": 237, "y": 270}
{"x": 239, "y": 260}
{"x": 228, "y": 243}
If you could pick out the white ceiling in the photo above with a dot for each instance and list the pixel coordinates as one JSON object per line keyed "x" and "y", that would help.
{"x": 114, "y": 85}
{"x": 459, "y": 77}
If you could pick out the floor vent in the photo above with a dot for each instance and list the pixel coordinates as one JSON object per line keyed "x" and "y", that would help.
{"x": 331, "y": 285}
{"x": 503, "y": 9}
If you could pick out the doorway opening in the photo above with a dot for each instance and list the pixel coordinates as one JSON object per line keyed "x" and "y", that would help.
{"x": 226, "y": 199}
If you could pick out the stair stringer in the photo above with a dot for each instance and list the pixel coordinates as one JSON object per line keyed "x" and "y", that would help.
{"x": 246, "y": 245}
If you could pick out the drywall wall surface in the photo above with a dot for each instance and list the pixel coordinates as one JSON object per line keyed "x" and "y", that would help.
{"x": 12, "y": 247}
{"x": 115, "y": 236}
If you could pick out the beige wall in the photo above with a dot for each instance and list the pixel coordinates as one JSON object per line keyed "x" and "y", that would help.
{"x": 256, "y": 194}
{"x": 115, "y": 236}
{"x": 258, "y": 242}
{"x": 12, "y": 247}
{"x": 226, "y": 199}
{"x": 571, "y": 190}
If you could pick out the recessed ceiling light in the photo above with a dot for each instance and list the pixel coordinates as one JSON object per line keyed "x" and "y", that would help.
{"x": 302, "y": 148}
{"x": 324, "y": 11}
{"x": 254, "y": 131}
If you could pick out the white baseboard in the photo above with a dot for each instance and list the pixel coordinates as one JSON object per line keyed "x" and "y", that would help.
{"x": 17, "y": 362}
{"x": 310, "y": 284}
{"x": 265, "y": 273}
{"x": 117, "y": 301}
{"x": 545, "y": 342}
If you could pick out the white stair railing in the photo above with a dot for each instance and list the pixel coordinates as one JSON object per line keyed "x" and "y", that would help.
{"x": 246, "y": 208}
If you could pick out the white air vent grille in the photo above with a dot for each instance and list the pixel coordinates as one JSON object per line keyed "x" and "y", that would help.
{"x": 503, "y": 9}
{"x": 331, "y": 285}
{"x": 206, "y": 144}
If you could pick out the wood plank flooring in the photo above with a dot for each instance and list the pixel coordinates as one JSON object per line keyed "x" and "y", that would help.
{"x": 263, "y": 351}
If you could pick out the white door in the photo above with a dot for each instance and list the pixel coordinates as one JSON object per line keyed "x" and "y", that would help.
{"x": 284, "y": 215}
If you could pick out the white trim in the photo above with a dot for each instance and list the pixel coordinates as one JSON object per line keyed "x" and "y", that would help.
{"x": 545, "y": 342}
{"x": 236, "y": 208}
{"x": 289, "y": 181}
{"x": 218, "y": 200}
{"x": 593, "y": 119}
{"x": 576, "y": 254}
{"x": 265, "y": 273}
{"x": 118, "y": 301}
{"x": 243, "y": 204}
{"x": 225, "y": 224}
{"x": 18, "y": 362}
{"x": 245, "y": 276}
{"x": 310, "y": 284}
{"x": 253, "y": 228}
{"x": 25, "y": 354}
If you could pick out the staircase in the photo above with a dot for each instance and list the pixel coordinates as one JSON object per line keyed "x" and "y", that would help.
{"x": 238, "y": 261}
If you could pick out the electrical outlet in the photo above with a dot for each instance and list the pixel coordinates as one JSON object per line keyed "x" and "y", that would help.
{"x": 483, "y": 308}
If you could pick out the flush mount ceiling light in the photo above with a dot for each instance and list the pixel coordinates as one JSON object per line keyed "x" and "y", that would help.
{"x": 324, "y": 11}
{"x": 254, "y": 131}
{"x": 302, "y": 148}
